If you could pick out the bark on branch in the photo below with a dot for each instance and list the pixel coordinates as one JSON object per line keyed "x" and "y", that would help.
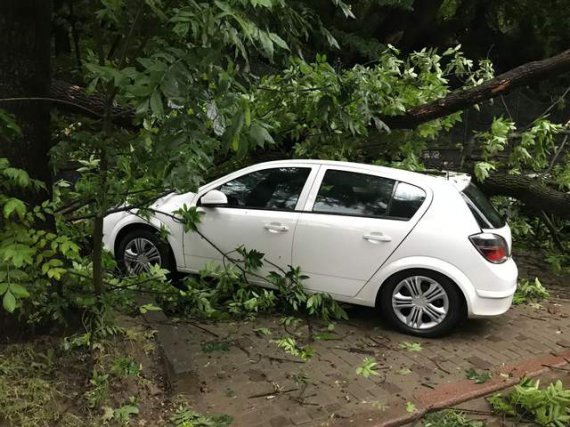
{"x": 456, "y": 101}
{"x": 464, "y": 98}
{"x": 532, "y": 192}
{"x": 75, "y": 99}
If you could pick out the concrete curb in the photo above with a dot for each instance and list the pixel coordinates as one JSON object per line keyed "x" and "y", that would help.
{"x": 452, "y": 394}
{"x": 178, "y": 368}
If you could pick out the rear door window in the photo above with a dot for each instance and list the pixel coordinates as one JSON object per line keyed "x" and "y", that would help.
{"x": 482, "y": 209}
{"x": 358, "y": 194}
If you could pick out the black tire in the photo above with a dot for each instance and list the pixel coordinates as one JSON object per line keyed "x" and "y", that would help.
{"x": 455, "y": 312}
{"x": 166, "y": 258}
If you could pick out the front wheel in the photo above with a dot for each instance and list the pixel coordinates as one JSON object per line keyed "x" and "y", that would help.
{"x": 141, "y": 249}
{"x": 422, "y": 302}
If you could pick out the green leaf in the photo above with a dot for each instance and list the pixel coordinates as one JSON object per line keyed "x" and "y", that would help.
{"x": 18, "y": 176}
{"x": 262, "y": 331}
{"x": 413, "y": 347}
{"x": 149, "y": 307}
{"x": 266, "y": 43}
{"x": 482, "y": 170}
{"x": 156, "y": 104}
{"x": 367, "y": 367}
{"x": 9, "y": 302}
{"x": 14, "y": 205}
{"x": 410, "y": 407}
{"x": 19, "y": 291}
{"x": 278, "y": 41}
{"x": 259, "y": 135}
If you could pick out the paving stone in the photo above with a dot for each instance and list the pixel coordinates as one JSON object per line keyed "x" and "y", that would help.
{"x": 391, "y": 388}
{"x": 279, "y": 421}
{"x": 300, "y": 417}
{"x": 479, "y": 363}
{"x": 483, "y": 345}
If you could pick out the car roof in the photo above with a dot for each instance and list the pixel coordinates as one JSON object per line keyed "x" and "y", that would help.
{"x": 458, "y": 180}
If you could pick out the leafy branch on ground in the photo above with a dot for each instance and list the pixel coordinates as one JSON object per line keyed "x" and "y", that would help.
{"x": 289, "y": 345}
{"x": 530, "y": 291}
{"x": 184, "y": 416}
{"x": 450, "y": 418}
{"x": 548, "y": 406}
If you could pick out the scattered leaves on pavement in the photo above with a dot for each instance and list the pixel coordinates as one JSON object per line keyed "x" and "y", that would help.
{"x": 413, "y": 347}
{"x": 478, "y": 377}
{"x": 366, "y": 368}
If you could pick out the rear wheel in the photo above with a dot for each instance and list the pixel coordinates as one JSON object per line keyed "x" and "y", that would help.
{"x": 422, "y": 302}
{"x": 141, "y": 249}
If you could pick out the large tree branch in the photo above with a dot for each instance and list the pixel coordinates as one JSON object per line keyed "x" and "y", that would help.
{"x": 456, "y": 101}
{"x": 464, "y": 98}
{"x": 76, "y": 100}
{"x": 531, "y": 191}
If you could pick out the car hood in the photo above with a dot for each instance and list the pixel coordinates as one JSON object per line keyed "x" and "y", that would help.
{"x": 172, "y": 202}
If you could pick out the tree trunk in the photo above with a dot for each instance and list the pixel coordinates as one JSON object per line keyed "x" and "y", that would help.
{"x": 531, "y": 191}
{"x": 25, "y": 73}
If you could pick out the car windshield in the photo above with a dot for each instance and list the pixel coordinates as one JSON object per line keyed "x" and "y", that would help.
{"x": 484, "y": 212}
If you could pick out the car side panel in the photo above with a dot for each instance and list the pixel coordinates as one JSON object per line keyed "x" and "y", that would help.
{"x": 440, "y": 242}
{"x": 332, "y": 249}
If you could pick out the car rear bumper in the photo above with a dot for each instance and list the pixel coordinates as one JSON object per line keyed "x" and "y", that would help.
{"x": 487, "y": 302}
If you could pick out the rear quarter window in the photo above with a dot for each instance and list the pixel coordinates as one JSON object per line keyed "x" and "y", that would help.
{"x": 481, "y": 208}
{"x": 406, "y": 201}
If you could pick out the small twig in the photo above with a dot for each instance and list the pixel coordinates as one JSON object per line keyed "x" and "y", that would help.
{"x": 280, "y": 359}
{"x": 558, "y": 368}
{"x": 381, "y": 344}
{"x": 548, "y": 222}
{"x": 533, "y": 317}
{"x": 272, "y": 393}
{"x": 357, "y": 350}
{"x": 471, "y": 411}
{"x": 559, "y": 100}
{"x": 191, "y": 323}
{"x": 553, "y": 161}
{"x": 506, "y": 108}
{"x": 439, "y": 367}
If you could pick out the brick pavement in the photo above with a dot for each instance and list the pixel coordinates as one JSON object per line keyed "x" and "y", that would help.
{"x": 243, "y": 380}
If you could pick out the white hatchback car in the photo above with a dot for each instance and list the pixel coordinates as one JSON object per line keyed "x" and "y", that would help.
{"x": 426, "y": 250}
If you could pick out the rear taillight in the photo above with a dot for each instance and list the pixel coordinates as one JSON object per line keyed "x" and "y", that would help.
{"x": 492, "y": 246}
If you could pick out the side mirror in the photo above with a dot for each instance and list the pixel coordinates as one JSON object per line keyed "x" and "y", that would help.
{"x": 213, "y": 198}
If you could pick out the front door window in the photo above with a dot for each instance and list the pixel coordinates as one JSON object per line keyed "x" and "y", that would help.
{"x": 269, "y": 189}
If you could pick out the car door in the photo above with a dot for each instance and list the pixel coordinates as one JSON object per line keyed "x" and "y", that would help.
{"x": 261, "y": 214}
{"x": 351, "y": 224}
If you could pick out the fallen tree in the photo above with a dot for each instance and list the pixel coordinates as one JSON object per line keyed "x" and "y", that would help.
{"x": 73, "y": 98}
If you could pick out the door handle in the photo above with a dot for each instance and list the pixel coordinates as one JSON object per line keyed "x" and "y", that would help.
{"x": 377, "y": 237}
{"x": 275, "y": 227}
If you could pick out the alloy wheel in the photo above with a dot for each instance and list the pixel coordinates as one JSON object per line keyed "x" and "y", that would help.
{"x": 139, "y": 255}
{"x": 420, "y": 302}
